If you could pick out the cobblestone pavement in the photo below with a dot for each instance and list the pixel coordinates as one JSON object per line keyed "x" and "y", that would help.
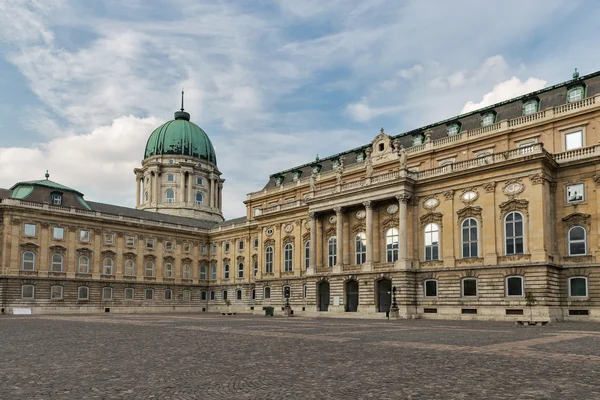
{"x": 211, "y": 356}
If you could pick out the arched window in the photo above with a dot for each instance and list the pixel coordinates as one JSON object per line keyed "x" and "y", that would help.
{"x": 240, "y": 270}
{"x": 226, "y": 271}
{"x": 168, "y": 270}
{"x": 530, "y": 107}
{"x": 267, "y": 292}
{"x": 238, "y": 294}
{"x": 198, "y": 198}
{"x": 577, "y": 241}
{"x": 83, "y": 265}
{"x": 203, "y": 272}
{"x": 186, "y": 271}
{"x": 83, "y": 293}
{"x": 286, "y": 292}
{"x": 253, "y": 294}
{"x": 332, "y": 251}
{"x": 170, "y": 196}
{"x": 213, "y": 272}
{"x": 513, "y": 232}
{"x": 149, "y": 269}
{"x": 288, "y": 257}
{"x": 28, "y": 261}
{"x": 107, "y": 266}
{"x": 269, "y": 260}
{"x": 432, "y": 242}
{"x": 168, "y": 294}
{"x": 224, "y": 294}
{"x": 391, "y": 245}
{"x": 307, "y": 254}
{"x": 578, "y": 286}
{"x": 514, "y": 286}
{"x": 361, "y": 248}
{"x": 469, "y": 238}
{"x": 129, "y": 267}
{"x": 146, "y": 196}
{"x": 56, "y": 264}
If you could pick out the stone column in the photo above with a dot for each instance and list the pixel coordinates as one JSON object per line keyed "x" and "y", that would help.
{"x": 191, "y": 198}
{"x": 156, "y": 188}
{"x": 220, "y": 198}
{"x": 402, "y": 262}
{"x": 339, "y": 233}
{"x": 368, "y": 265}
{"x": 137, "y": 190}
{"x": 312, "y": 263}
{"x": 182, "y": 188}
{"x": 211, "y": 195}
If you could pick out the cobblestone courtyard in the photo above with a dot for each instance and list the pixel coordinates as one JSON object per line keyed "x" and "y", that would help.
{"x": 250, "y": 357}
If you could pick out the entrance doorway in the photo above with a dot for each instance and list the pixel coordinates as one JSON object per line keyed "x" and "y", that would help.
{"x": 323, "y": 289}
{"x": 384, "y": 295}
{"x": 352, "y": 296}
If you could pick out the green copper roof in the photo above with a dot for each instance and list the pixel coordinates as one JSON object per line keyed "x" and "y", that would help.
{"x": 180, "y": 137}
{"x": 45, "y": 183}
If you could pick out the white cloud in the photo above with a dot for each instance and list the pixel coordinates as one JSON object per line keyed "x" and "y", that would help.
{"x": 505, "y": 91}
{"x": 363, "y": 112}
{"x": 409, "y": 73}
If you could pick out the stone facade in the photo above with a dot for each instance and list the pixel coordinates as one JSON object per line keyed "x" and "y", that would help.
{"x": 465, "y": 225}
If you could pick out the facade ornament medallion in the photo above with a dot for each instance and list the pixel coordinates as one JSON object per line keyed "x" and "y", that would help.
{"x": 513, "y": 188}
{"x": 361, "y": 214}
{"x": 269, "y": 231}
{"x": 431, "y": 203}
{"x": 392, "y": 209}
{"x": 469, "y": 196}
{"x": 332, "y": 219}
{"x": 449, "y": 195}
{"x": 288, "y": 228}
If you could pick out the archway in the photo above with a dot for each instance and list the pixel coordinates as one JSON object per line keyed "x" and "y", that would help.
{"x": 351, "y": 296}
{"x": 384, "y": 295}
{"x": 323, "y": 291}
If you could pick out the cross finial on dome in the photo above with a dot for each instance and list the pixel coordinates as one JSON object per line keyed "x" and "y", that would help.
{"x": 47, "y": 175}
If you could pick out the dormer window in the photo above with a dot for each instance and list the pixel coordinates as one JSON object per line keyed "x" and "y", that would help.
{"x": 575, "y": 94}
{"x": 316, "y": 168}
{"x": 57, "y": 199}
{"x": 417, "y": 140}
{"x": 453, "y": 129}
{"x": 488, "y": 119}
{"x": 279, "y": 180}
{"x": 360, "y": 156}
{"x": 335, "y": 164}
{"x": 530, "y": 107}
{"x": 297, "y": 175}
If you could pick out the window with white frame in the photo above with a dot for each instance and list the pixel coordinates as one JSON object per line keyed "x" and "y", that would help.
{"x": 575, "y": 94}
{"x": 267, "y": 292}
{"x": 307, "y": 254}
{"x": 453, "y": 129}
{"x": 203, "y": 295}
{"x": 107, "y": 266}
{"x": 240, "y": 245}
{"x": 56, "y": 263}
{"x": 169, "y": 245}
{"x": 214, "y": 248}
{"x": 469, "y": 287}
{"x": 149, "y": 294}
{"x": 168, "y": 270}
{"x": 187, "y": 295}
{"x": 28, "y": 261}
{"x": 107, "y": 293}
{"x": 360, "y": 242}
{"x": 577, "y": 236}
{"x": 470, "y": 238}
{"x": 199, "y": 198}
{"x": 255, "y": 268}
{"x": 391, "y": 245}
{"x": 203, "y": 272}
{"x": 129, "y": 269}
{"x": 238, "y": 294}
{"x": 256, "y": 243}
{"x": 129, "y": 241}
{"x": 149, "y": 269}
{"x": 573, "y": 140}
{"x": 150, "y": 244}
{"x": 578, "y": 286}
{"x": 488, "y": 119}
{"x": 186, "y": 272}
{"x": 432, "y": 242}
{"x": 29, "y": 230}
{"x": 187, "y": 247}
{"x": 84, "y": 236}
{"x": 513, "y": 232}
{"x": 168, "y": 294}
{"x": 109, "y": 238}
{"x": 56, "y": 292}
{"x": 430, "y": 288}
{"x": 212, "y": 295}
{"x": 332, "y": 251}
{"x": 203, "y": 249}
{"x": 514, "y": 286}
{"x": 213, "y": 272}
{"x": 240, "y": 271}
{"x": 83, "y": 265}
{"x": 226, "y": 271}
{"x": 128, "y": 294}
{"x": 83, "y": 293}
{"x": 170, "y": 196}
{"x": 226, "y": 247}
{"x": 530, "y": 107}
{"x": 269, "y": 260}
{"x": 56, "y": 199}
{"x": 288, "y": 257}
{"x": 170, "y": 178}
{"x": 58, "y": 233}
{"x": 27, "y": 291}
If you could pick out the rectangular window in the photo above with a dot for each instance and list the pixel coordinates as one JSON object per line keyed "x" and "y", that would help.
{"x": 130, "y": 241}
{"x": 214, "y": 249}
{"x": 84, "y": 236}
{"x": 203, "y": 295}
{"x": 204, "y": 249}
{"x": 573, "y": 140}
{"x": 107, "y": 293}
{"x": 212, "y": 295}
{"x": 226, "y": 247}
{"x": 29, "y": 230}
{"x": 469, "y": 287}
{"x": 187, "y": 295}
{"x": 56, "y": 293}
{"x": 150, "y": 244}
{"x": 431, "y": 288}
{"x": 575, "y": 193}
{"x": 108, "y": 238}
{"x": 256, "y": 243}
{"x": 514, "y": 286}
{"x": 169, "y": 246}
{"x": 170, "y": 178}
{"x": 58, "y": 233}
{"x": 198, "y": 181}
{"x": 83, "y": 293}
{"x": 27, "y": 292}
{"x": 56, "y": 199}
{"x": 149, "y": 294}
{"x": 224, "y": 294}
{"x": 578, "y": 287}
{"x": 241, "y": 245}
{"x": 187, "y": 247}
{"x": 129, "y": 293}
{"x": 168, "y": 294}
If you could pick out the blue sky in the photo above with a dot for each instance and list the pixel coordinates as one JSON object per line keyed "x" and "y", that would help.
{"x": 273, "y": 83}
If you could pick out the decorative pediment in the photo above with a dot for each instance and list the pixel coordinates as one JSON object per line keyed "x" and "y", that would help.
{"x": 431, "y": 217}
{"x": 254, "y": 257}
{"x": 129, "y": 254}
{"x": 358, "y": 228}
{"x": 58, "y": 248}
{"x": 269, "y": 242}
{"x": 288, "y": 239}
{"x": 108, "y": 253}
{"x": 226, "y": 260}
{"x": 577, "y": 218}
{"x": 389, "y": 223}
{"x": 240, "y": 259}
{"x": 469, "y": 211}
{"x": 149, "y": 257}
{"x": 169, "y": 259}
{"x": 187, "y": 260}
{"x": 514, "y": 205}
{"x": 29, "y": 245}
{"x": 306, "y": 237}
{"x": 329, "y": 233}
{"x": 84, "y": 250}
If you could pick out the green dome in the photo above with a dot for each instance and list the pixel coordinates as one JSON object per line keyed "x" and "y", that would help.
{"x": 180, "y": 137}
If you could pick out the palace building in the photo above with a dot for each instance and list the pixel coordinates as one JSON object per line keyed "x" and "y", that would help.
{"x": 493, "y": 214}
